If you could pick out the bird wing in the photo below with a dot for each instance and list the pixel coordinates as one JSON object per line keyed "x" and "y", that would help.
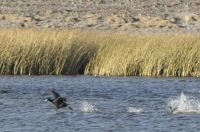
{"x": 55, "y": 94}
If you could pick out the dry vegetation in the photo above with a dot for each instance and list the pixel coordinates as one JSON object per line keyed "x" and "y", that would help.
{"x": 77, "y": 52}
{"x": 43, "y": 52}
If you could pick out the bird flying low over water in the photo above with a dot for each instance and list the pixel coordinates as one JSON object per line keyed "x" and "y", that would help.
{"x": 58, "y": 101}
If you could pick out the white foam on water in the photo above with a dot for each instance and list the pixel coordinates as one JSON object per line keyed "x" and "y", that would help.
{"x": 87, "y": 107}
{"x": 134, "y": 110}
{"x": 184, "y": 104}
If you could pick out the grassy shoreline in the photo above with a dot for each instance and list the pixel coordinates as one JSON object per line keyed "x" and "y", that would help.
{"x": 48, "y": 52}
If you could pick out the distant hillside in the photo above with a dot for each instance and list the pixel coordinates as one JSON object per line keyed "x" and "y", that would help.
{"x": 109, "y": 15}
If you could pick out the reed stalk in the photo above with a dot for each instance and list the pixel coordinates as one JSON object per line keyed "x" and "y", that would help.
{"x": 69, "y": 52}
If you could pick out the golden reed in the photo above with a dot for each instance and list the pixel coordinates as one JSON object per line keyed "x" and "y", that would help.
{"x": 48, "y": 52}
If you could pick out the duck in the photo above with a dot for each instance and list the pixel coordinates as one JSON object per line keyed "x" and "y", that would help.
{"x": 58, "y": 101}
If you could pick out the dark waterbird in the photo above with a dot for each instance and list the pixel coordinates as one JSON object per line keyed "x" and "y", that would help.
{"x": 58, "y": 101}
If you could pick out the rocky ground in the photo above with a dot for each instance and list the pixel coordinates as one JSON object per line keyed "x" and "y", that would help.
{"x": 109, "y": 15}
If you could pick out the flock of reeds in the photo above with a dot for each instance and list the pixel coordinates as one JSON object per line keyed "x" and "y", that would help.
{"x": 44, "y": 52}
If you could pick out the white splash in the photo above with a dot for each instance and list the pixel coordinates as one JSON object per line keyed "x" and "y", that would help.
{"x": 134, "y": 110}
{"x": 184, "y": 104}
{"x": 86, "y": 107}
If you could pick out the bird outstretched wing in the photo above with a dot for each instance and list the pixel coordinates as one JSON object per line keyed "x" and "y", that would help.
{"x": 55, "y": 94}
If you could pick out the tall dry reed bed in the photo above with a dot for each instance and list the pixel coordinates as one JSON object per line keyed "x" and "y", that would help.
{"x": 44, "y": 52}
{"x": 77, "y": 52}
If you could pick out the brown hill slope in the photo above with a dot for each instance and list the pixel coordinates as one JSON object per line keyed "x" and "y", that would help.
{"x": 111, "y": 15}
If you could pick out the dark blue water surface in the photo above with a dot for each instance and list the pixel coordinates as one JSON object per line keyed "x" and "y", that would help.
{"x": 113, "y": 104}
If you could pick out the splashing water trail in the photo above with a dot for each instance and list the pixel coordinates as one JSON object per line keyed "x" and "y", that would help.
{"x": 184, "y": 104}
{"x": 134, "y": 110}
{"x": 87, "y": 107}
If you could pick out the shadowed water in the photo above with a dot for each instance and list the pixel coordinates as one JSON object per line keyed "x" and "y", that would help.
{"x": 126, "y": 104}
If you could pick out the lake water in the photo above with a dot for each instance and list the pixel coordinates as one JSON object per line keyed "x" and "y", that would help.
{"x": 113, "y": 104}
